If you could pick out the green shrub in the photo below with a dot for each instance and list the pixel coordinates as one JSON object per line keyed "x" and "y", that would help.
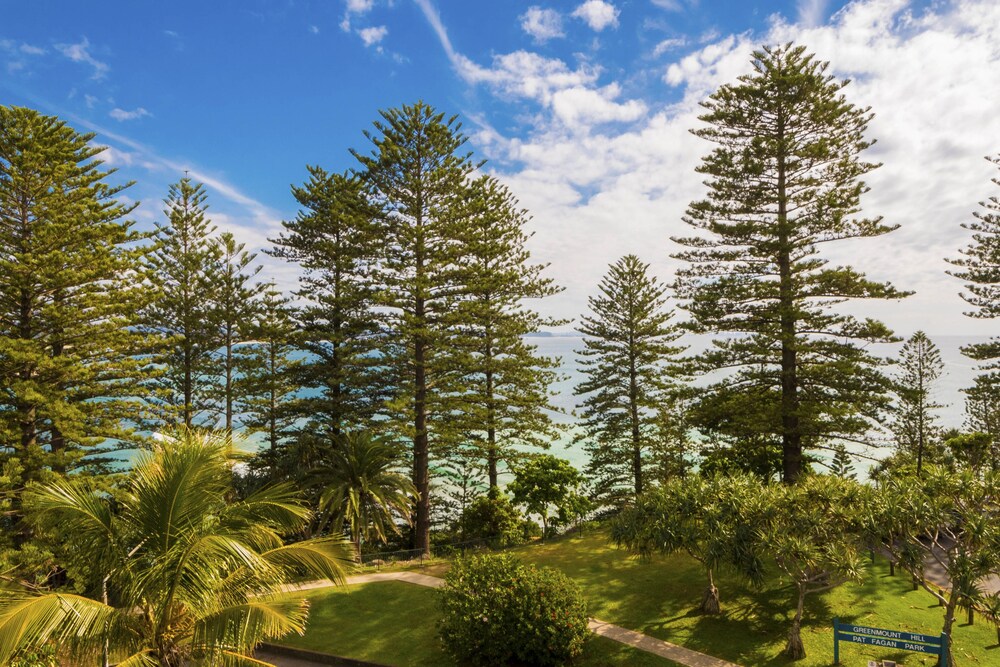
{"x": 40, "y": 657}
{"x": 494, "y": 518}
{"x": 496, "y": 610}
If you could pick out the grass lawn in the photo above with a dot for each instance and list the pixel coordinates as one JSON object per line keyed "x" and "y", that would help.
{"x": 657, "y": 597}
{"x": 394, "y": 623}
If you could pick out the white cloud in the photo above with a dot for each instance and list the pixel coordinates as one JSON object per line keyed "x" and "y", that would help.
{"x": 573, "y": 96}
{"x": 374, "y": 35}
{"x": 90, "y": 101}
{"x": 670, "y": 5}
{"x": 30, "y": 50}
{"x": 598, "y": 189}
{"x": 122, "y": 115}
{"x": 354, "y": 8}
{"x": 668, "y": 45}
{"x": 812, "y": 12}
{"x": 465, "y": 68}
{"x": 80, "y": 53}
{"x": 360, "y": 6}
{"x": 598, "y": 14}
{"x": 597, "y": 196}
{"x": 314, "y": 29}
{"x": 542, "y": 24}
{"x": 580, "y": 107}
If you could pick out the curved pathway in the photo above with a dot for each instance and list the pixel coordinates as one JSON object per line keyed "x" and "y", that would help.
{"x": 617, "y": 633}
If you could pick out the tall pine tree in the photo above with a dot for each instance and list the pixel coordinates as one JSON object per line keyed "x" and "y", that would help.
{"x": 418, "y": 178}
{"x": 235, "y": 296}
{"x": 629, "y": 366}
{"x": 914, "y": 422}
{"x": 268, "y": 365}
{"x": 70, "y": 261}
{"x": 980, "y": 268}
{"x": 982, "y": 406}
{"x": 183, "y": 272}
{"x": 784, "y": 180}
{"x": 505, "y": 382}
{"x": 333, "y": 241}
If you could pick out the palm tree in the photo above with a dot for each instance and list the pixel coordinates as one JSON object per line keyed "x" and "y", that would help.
{"x": 182, "y": 571}
{"x": 362, "y": 489}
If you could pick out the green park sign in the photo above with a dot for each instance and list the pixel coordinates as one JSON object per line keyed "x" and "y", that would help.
{"x": 897, "y": 639}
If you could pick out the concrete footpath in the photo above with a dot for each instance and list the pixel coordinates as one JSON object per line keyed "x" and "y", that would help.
{"x": 616, "y": 633}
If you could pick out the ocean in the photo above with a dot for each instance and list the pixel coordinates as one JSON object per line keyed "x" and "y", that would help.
{"x": 959, "y": 372}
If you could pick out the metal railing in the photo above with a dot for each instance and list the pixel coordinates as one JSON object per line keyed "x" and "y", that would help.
{"x": 419, "y": 556}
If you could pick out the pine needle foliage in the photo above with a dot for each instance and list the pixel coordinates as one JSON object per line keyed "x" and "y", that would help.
{"x": 914, "y": 422}
{"x": 417, "y": 178}
{"x": 784, "y": 180}
{"x": 629, "y": 364}
{"x": 183, "y": 271}
{"x": 979, "y": 266}
{"x": 332, "y": 239}
{"x": 70, "y": 262}
{"x": 268, "y": 365}
{"x": 505, "y": 398}
{"x": 236, "y": 294}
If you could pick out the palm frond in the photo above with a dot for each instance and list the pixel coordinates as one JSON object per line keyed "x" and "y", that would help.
{"x": 143, "y": 658}
{"x": 231, "y": 659}
{"x": 31, "y": 621}
{"x": 277, "y": 505}
{"x": 65, "y": 505}
{"x": 322, "y": 558}
{"x": 242, "y": 626}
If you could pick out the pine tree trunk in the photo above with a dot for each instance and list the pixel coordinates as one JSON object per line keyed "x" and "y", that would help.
{"x": 492, "y": 455}
{"x": 421, "y": 449}
{"x": 272, "y": 414}
{"x": 795, "y": 649}
{"x": 920, "y": 441}
{"x": 710, "y": 603}
{"x": 633, "y": 401}
{"x": 27, "y": 412}
{"x": 229, "y": 387}
{"x": 188, "y": 385}
{"x": 105, "y": 652}
{"x": 791, "y": 438}
{"x": 57, "y": 442}
{"x": 636, "y": 436}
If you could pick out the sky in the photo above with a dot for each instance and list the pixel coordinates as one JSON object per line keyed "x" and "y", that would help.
{"x": 582, "y": 107}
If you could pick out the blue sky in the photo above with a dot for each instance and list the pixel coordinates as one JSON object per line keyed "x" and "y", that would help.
{"x": 252, "y": 90}
{"x": 583, "y": 108}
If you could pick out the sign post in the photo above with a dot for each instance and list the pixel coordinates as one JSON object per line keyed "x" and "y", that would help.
{"x": 897, "y": 639}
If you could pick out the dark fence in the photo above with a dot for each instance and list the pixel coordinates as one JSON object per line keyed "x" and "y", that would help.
{"x": 418, "y": 556}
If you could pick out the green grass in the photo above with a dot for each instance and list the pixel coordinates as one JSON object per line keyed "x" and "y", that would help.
{"x": 657, "y": 598}
{"x": 394, "y": 623}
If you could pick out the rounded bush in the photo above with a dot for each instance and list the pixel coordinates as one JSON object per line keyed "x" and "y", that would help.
{"x": 494, "y": 518}
{"x": 496, "y": 610}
